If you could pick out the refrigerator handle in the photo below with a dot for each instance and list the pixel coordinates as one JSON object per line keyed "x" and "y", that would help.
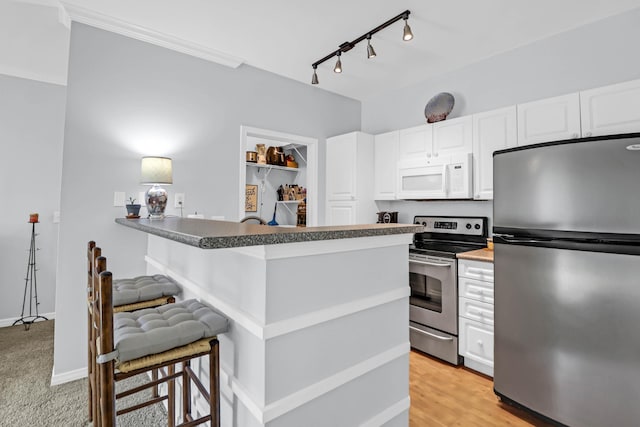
{"x": 510, "y": 238}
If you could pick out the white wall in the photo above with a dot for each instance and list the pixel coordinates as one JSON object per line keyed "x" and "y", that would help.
{"x": 31, "y": 131}
{"x": 127, "y": 99}
{"x": 595, "y": 55}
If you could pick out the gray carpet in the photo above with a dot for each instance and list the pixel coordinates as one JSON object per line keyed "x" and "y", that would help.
{"x": 27, "y": 399}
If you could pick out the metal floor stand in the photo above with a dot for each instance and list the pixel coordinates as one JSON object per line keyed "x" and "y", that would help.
{"x": 31, "y": 283}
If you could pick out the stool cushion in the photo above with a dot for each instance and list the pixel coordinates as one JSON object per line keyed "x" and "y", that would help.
{"x": 143, "y": 288}
{"x": 154, "y": 330}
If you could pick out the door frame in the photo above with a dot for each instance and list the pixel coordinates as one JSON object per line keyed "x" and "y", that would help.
{"x": 281, "y": 138}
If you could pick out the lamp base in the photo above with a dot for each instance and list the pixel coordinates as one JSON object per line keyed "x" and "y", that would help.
{"x": 156, "y": 200}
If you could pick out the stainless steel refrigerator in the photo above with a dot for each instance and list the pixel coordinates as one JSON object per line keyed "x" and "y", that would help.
{"x": 567, "y": 279}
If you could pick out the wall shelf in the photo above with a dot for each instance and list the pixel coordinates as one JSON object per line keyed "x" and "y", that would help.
{"x": 287, "y": 204}
{"x": 270, "y": 167}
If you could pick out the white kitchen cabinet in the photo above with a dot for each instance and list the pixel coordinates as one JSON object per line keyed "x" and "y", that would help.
{"x": 476, "y": 345}
{"x": 492, "y": 131}
{"x": 476, "y": 315}
{"x": 341, "y": 213}
{"x": 349, "y": 178}
{"x": 611, "y": 109}
{"x": 342, "y": 156}
{"x": 436, "y": 140}
{"x": 386, "y": 165}
{"x": 415, "y": 142}
{"x": 551, "y": 119}
{"x": 452, "y": 136}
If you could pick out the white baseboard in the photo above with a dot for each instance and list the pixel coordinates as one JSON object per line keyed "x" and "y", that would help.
{"x": 9, "y": 322}
{"x": 65, "y": 377}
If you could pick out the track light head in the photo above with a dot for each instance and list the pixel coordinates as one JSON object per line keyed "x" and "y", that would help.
{"x": 406, "y": 33}
{"x": 314, "y": 78}
{"x": 338, "y": 67}
{"x": 371, "y": 53}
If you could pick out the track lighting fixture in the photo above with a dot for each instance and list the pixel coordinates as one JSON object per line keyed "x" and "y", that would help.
{"x": 370, "y": 52}
{"x": 338, "y": 67}
{"x": 407, "y": 35}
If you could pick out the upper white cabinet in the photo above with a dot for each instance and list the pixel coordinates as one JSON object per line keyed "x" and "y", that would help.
{"x": 349, "y": 178}
{"x": 550, "y": 119}
{"x": 415, "y": 142}
{"x": 438, "y": 139}
{"x": 386, "y": 165}
{"x": 492, "y": 131}
{"x": 452, "y": 136}
{"x": 611, "y": 109}
{"x": 342, "y": 154}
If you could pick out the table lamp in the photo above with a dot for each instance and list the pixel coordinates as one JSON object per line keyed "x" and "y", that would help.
{"x": 156, "y": 171}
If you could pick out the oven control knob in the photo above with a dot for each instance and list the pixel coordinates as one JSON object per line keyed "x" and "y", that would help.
{"x": 477, "y": 226}
{"x": 424, "y": 223}
{"x": 468, "y": 226}
{"x": 418, "y": 222}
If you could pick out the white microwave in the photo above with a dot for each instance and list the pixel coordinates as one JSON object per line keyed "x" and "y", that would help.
{"x": 447, "y": 177}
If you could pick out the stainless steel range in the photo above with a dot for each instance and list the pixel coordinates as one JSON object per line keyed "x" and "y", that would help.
{"x": 433, "y": 277}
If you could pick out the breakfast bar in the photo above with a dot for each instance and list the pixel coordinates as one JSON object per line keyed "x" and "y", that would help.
{"x": 319, "y": 316}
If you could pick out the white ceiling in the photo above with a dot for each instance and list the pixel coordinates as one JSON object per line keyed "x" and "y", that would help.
{"x": 286, "y": 36}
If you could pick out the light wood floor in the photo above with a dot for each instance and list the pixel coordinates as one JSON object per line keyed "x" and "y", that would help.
{"x": 443, "y": 395}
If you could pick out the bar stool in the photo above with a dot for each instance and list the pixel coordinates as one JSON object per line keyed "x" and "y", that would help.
{"x": 128, "y": 295}
{"x": 131, "y": 343}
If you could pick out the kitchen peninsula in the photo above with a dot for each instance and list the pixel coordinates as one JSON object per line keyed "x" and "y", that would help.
{"x": 319, "y": 316}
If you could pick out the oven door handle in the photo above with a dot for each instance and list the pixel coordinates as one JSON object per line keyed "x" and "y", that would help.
{"x": 432, "y": 264}
{"x": 438, "y": 337}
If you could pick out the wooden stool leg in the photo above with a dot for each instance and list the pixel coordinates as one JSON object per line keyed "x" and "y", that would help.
{"x": 107, "y": 395}
{"x": 186, "y": 392}
{"x": 171, "y": 392}
{"x": 154, "y": 377}
{"x": 214, "y": 385}
{"x": 90, "y": 373}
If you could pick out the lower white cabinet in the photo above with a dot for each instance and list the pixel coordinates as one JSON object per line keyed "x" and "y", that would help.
{"x": 476, "y": 315}
{"x": 475, "y": 344}
{"x": 341, "y": 213}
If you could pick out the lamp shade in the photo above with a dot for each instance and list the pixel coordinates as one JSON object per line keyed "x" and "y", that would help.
{"x": 156, "y": 170}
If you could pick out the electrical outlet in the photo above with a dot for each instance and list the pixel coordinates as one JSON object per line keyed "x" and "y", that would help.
{"x": 179, "y": 200}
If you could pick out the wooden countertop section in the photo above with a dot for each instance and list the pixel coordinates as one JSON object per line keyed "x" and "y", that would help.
{"x": 477, "y": 255}
{"x": 211, "y": 234}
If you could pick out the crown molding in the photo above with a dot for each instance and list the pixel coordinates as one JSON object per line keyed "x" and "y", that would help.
{"x": 118, "y": 26}
{"x": 30, "y": 75}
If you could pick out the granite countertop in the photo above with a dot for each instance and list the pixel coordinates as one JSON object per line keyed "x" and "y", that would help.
{"x": 483, "y": 254}
{"x": 211, "y": 234}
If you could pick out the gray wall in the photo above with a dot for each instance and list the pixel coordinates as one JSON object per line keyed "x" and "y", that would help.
{"x": 594, "y": 55}
{"x": 31, "y": 131}
{"x": 127, "y": 99}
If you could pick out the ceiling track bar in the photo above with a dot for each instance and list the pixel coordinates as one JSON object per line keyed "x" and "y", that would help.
{"x": 347, "y": 46}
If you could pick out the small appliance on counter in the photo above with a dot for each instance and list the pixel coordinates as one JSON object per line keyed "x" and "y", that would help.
{"x": 387, "y": 217}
